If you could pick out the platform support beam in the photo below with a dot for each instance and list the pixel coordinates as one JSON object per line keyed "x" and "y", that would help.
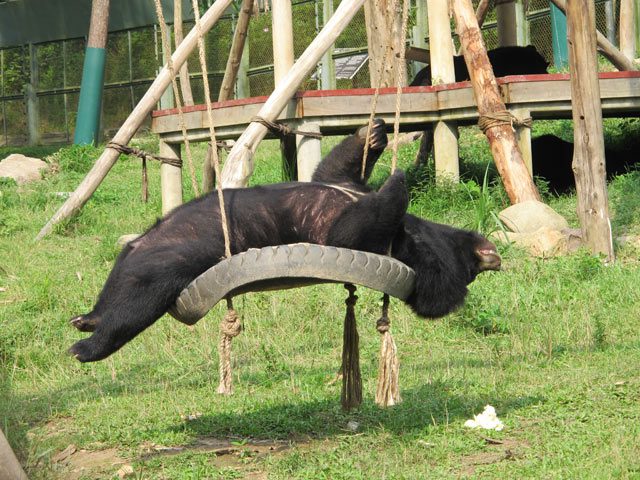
{"x": 170, "y": 177}
{"x": 309, "y": 154}
{"x": 445, "y": 134}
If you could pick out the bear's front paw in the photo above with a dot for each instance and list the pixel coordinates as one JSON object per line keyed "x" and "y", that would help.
{"x": 85, "y": 351}
{"x": 84, "y": 324}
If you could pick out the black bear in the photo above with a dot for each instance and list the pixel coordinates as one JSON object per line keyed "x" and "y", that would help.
{"x": 553, "y": 156}
{"x": 504, "y": 60}
{"x": 151, "y": 271}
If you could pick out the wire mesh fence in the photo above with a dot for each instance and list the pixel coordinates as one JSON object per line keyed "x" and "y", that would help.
{"x": 135, "y": 56}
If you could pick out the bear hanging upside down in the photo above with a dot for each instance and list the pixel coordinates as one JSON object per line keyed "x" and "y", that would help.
{"x": 336, "y": 208}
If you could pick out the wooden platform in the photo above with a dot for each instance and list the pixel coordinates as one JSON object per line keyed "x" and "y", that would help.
{"x": 341, "y": 111}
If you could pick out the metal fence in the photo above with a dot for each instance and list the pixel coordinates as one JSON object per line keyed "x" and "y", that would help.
{"x": 134, "y": 57}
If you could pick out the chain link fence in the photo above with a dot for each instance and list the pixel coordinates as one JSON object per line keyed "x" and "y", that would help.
{"x": 134, "y": 57}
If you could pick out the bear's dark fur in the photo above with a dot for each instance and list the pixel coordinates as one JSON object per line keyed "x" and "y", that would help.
{"x": 553, "y": 157}
{"x": 504, "y": 60}
{"x": 152, "y": 270}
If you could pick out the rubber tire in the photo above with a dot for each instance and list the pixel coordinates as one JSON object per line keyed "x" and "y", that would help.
{"x": 291, "y": 266}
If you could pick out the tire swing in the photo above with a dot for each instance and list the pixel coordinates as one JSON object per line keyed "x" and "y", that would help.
{"x": 297, "y": 265}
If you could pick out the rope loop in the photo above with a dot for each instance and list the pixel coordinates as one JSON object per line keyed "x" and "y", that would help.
{"x": 281, "y": 130}
{"x": 141, "y": 154}
{"x": 352, "y": 298}
{"x": 503, "y": 117}
{"x": 231, "y": 325}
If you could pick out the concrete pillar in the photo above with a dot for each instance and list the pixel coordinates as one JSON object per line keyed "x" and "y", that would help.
{"x": 170, "y": 177}
{"x": 309, "y": 154}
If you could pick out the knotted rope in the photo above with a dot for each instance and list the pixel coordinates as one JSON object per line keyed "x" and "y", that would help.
{"x": 503, "y": 117}
{"x": 142, "y": 155}
{"x": 351, "y": 381}
{"x": 388, "y": 390}
{"x": 281, "y": 130}
{"x": 231, "y": 326}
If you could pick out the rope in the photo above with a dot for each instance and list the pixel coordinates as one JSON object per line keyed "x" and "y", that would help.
{"x": 166, "y": 46}
{"x": 230, "y": 328}
{"x": 351, "y": 380}
{"x": 142, "y": 155}
{"x": 400, "y": 80}
{"x": 281, "y": 130}
{"x": 500, "y": 118}
{"x": 212, "y": 133}
{"x": 388, "y": 389}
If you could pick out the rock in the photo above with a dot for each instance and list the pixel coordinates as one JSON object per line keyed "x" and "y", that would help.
{"x": 22, "y": 169}
{"x": 124, "y": 239}
{"x": 544, "y": 242}
{"x": 530, "y": 216}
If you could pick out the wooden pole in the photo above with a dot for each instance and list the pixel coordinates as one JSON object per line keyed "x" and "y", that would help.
{"x": 102, "y": 166}
{"x": 606, "y": 47}
{"x": 382, "y": 21}
{"x": 481, "y": 11}
{"x": 588, "y": 151}
{"x": 10, "y": 468}
{"x": 90, "y": 101}
{"x": 627, "y": 29}
{"x": 512, "y": 25}
{"x": 33, "y": 109}
{"x": 328, "y": 71}
{"x": 170, "y": 177}
{"x": 185, "y": 82}
{"x": 445, "y": 134}
{"x": 239, "y": 165}
{"x": 282, "y": 26}
{"x": 507, "y": 155}
{"x": 237, "y": 48}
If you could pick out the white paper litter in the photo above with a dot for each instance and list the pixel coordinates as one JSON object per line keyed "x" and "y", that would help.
{"x": 487, "y": 420}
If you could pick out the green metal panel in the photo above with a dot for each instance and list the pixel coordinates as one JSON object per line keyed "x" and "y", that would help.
{"x": 559, "y": 37}
{"x": 36, "y": 21}
{"x": 89, "y": 106}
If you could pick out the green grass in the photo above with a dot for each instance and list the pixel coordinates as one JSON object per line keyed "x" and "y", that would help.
{"x": 552, "y": 344}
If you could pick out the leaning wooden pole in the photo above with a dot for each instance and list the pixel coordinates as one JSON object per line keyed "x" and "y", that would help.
{"x": 237, "y": 46}
{"x": 10, "y": 468}
{"x": 481, "y": 11}
{"x": 185, "y": 82}
{"x": 147, "y": 103}
{"x": 504, "y": 147}
{"x": 588, "y": 151}
{"x": 239, "y": 165}
{"x": 607, "y": 48}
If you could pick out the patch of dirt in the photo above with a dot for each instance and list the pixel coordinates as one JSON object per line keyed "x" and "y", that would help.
{"x": 77, "y": 463}
{"x": 497, "y": 451}
{"x": 220, "y": 447}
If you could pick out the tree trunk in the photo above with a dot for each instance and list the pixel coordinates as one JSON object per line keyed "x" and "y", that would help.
{"x": 185, "y": 83}
{"x": 517, "y": 181}
{"x": 606, "y": 47}
{"x": 237, "y": 47}
{"x": 628, "y": 29}
{"x": 10, "y": 468}
{"x": 588, "y": 151}
{"x": 282, "y": 20}
{"x": 384, "y": 28}
{"x": 239, "y": 165}
{"x": 147, "y": 103}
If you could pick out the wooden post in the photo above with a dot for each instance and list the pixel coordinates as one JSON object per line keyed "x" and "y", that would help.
{"x": 420, "y": 31}
{"x": 627, "y": 29}
{"x": 147, "y": 103}
{"x": 239, "y": 165}
{"x": 309, "y": 154}
{"x": 610, "y": 18}
{"x": 507, "y": 155}
{"x": 445, "y": 134}
{"x": 605, "y": 46}
{"x": 208, "y": 172}
{"x": 282, "y": 26}
{"x": 243, "y": 86}
{"x": 328, "y": 71}
{"x": 237, "y": 49}
{"x": 170, "y": 177}
{"x": 382, "y": 22}
{"x": 481, "y": 11}
{"x": 523, "y": 137}
{"x": 588, "y": 151}
{"x": 33, "y": 110}
{"x": 185, "y": 82}
{"x": 512, "y": 25}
